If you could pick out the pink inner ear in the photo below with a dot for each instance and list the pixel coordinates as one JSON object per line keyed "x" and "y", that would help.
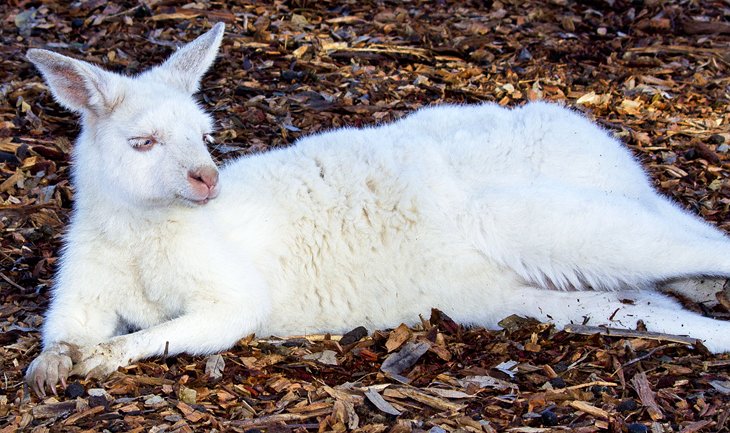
{"x": 71, "y": 85}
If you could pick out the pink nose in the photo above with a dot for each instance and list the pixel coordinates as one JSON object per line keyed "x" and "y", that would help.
{"x": 204, "y": 180}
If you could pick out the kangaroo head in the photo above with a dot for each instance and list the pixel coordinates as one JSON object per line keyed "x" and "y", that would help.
{"x": 143, "y": 139}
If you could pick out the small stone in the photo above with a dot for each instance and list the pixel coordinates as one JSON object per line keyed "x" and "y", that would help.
{"x": 560, "y": 367}
{"x": 524, "y": 55}
{"x": 602, "y": 31}
{"x": 74, "y": 390}
{"x": 723, "y": 148}
{"x": 154, "y": 400}
{"x": 354, "y": 336}
{"x": 188, "y": 395}
{"x": 627, "y": 405}
{"x": 77, "y": 23}
{"x": 299, "y": 20}
{"x": 290, "y": 76}
{"x": 328, "y": 357}
{"x": 142, "y": 11}
{"x": 296, "y": 342}
{"x": 668, "y": 157}
{"x": 549, "y": 419}
{"x": 597, "y": 390}
{"x": 99, "y": 392}
{"x": 716, "y": 139}
{"x": 635, "y": 427}
{"x": 557, "y": 382}
{"x": 98, "y": 400}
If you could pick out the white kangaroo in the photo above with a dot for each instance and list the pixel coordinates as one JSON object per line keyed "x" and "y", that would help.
{"x": 477, "y": 210}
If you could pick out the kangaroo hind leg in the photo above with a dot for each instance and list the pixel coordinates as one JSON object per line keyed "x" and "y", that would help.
{"x": 564, "y": 237}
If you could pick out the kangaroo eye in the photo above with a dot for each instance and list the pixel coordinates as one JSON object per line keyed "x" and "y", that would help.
{"x": 142, "y": 143}
{"x": 208, "y": 139}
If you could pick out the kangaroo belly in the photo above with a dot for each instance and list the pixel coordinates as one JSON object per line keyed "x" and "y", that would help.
{"x": 334, "y": 290}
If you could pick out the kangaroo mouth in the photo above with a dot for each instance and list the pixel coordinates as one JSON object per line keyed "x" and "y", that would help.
{"x": 199, "y": 199}
{"x": 194, "y": 201}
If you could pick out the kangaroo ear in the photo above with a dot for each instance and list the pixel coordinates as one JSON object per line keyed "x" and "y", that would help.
{"x": 186, "y": 67}
{"x": 77, "y": 85}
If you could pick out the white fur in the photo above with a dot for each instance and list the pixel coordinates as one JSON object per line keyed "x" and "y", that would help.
{"x": 477, "y": 210}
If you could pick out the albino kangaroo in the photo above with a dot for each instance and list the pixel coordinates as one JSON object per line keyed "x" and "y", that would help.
{"x": 477, "y": 210}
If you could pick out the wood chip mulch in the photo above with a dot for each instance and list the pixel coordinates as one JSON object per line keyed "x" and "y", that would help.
{"x": 653, "y": 72}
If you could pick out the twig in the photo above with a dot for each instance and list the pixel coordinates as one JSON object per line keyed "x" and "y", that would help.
{"x": 11, "y": 282}
{"x": 647, "y": 355}
{"x": 434, "y": 402}
{"x": 589, "y": 409}
{"x": 720, "y": 363}
{"x": 586, "y": 385}
{"x": 677, "y": 49}
{"x": 627, "y": 333}
{"x": 311, "y": 426}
